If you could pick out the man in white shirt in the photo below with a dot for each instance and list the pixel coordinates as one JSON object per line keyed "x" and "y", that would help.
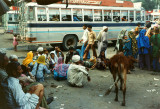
{"x": 15, "y": 97}
{"x": 75, "y": 72}
{"x": 84, "y": 41}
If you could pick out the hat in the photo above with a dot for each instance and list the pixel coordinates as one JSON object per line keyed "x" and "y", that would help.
{"x": 76, "y": 58}
{"x": 40, "y": 49}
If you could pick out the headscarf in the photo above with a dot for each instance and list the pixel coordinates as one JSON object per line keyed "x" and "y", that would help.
{"x": 75, "y": 58}
{"x": 55, "y": 55}
{"x": 28, "y": 59}
{"x": 53, "y": 60}
{"x": 41, "y": 60}
{"x": 61, "y": 68}
{"x": 142, "y": 40}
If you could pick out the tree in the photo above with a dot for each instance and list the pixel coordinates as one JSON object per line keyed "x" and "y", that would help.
{"x": 148, "y": 4}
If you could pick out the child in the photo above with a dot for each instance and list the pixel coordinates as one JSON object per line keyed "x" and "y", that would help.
{"x": 15, "y": 43}
{"x": 127, "y": 49}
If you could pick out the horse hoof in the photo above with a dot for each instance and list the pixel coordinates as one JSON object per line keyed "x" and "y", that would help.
{"x": 116, "y": 99}
{"x": 123, "y": 104}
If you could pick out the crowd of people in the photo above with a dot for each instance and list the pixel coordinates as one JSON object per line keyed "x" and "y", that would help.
{"x": 143, "y": 44}
{"x": 20, "y": 84}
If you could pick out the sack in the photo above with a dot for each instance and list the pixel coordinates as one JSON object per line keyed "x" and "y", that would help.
{"x": 59, "y": 77}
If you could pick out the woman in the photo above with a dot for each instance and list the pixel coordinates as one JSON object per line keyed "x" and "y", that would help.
{"x": 28, "y": 61}
{"x": 61, "y": 69}
{"x": 143, "y": 49}
{"x": 102, "y": 40}
{"x": 52, "y": 60}
{"x": 39, "y": 69}
{"x": 119, "y": 44}
{"x": 132, "y": 35}
{"x": 155, "y": 42}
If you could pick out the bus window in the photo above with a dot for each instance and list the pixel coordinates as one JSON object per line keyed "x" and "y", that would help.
{"x": 15, "y": 17}
{"x": 138, "y": 16}
{"x": 77, "y": 15}
{"x": 10, "y": 17}
{"x": 66, "y": 14}
{"x": 41, "y": 14}
{"x": 54, "y": 14}
{"x": 97, "y": 15}
{"x": 124, "y": 15}
{"x": 107, "y": 15}
{"x": 88, "y": 15}
{"x": 31, "y": 13}
{"x": 131, "y": 16}
{"x": 116, "y": 15}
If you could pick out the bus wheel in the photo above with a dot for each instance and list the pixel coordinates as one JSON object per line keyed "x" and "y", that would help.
{"x": 70, "y": 40}
{"x": 114, "y": 41}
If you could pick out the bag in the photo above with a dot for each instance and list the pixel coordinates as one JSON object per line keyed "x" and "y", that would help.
{"x": 59, "y": 77}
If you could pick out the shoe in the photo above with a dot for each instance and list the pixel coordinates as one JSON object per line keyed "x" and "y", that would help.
{"x": 49, "y": 100}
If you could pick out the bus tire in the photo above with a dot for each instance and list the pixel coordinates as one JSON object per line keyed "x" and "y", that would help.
{"x": 69, "y": 40}
{"x": 114, "y": 41}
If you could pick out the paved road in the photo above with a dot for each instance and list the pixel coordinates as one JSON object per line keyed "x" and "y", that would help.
{"x": 143, "y": 88}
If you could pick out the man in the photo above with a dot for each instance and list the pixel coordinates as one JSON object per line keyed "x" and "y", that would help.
{"x": 69, "y": 55}
{"x": 84, "y": 40}
{"x": 75, "y": 72}
{"x": 138, "y": 28}
{"x": 15, "y": 97}
{"x": 102, "y": 40}
{"x": 3, "y": 76}
{"x": 91, "y": 42}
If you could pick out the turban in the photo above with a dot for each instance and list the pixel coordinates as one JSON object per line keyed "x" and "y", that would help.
{"x": 76, "y": 58}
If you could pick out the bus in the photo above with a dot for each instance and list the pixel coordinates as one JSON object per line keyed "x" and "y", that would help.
{"x": 153, "y": 16}
{"x": 56, "y": 24}
{"x": 10, "y": 21}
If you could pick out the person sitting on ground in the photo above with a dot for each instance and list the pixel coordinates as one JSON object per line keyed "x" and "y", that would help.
{"x": 14, "y": 95}
{"x": 58, "y": 53}
{"x": 75, "y": 72}
{"x": 13, "y": 58}
{"x": 127, "y": 48}
{"x": 70, "y": 54}
{"x": 28, "y": 82}
{"x": 90, "y": 63}
{"x": 39, "y": 69}
{"x": 39, "y": 52}
{"x": 52, "y": 60}
{"x": 101, "y": 61}
{"x": 61, "y": 69}
{"x": 24, "y": 78}
{"x": 28, "y": 61}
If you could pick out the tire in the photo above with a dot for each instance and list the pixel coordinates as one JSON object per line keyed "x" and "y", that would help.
{"x": 69, "y": 40}
{"x": 114, "y": 41}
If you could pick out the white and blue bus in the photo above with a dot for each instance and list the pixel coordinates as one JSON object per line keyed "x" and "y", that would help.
{"x": 10, "y": 21}
{"x": 56, "y": 24}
